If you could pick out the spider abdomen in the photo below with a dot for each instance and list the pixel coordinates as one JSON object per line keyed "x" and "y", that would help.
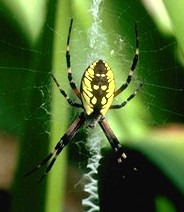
{"x": 97, "y": 88}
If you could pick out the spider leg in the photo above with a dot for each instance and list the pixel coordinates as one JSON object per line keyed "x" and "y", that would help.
{"x": 115, "y": 144}
{"x": 68, "y": 62}
{"x": 134, "y": 63}
{"x": 128, "y": 99}
{"x": 74, "y": 104}
{"x": 59, "y": 147}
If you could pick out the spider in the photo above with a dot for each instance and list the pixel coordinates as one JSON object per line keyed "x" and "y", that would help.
{"x": 97, "y": 91}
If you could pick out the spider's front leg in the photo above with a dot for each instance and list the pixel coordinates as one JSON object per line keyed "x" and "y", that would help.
{"x": 115, "y": 144}
{"x": 65, "y": 139}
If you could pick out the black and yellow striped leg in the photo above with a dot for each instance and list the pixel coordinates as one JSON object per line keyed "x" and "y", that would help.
{"x": 116, "y": 146}
{"x": 74, "y": 104}
{"x": 131, "y": 72}
{"x": 128, "y": 99}
{"x": 68, "y": 62}
{"x": 59, "y": 146}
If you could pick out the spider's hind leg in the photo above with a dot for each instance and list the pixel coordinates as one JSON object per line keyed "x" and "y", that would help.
{"x": 68, "y": 63}
{"x": 133, "y": 66}
{"x": 72, "y": 103}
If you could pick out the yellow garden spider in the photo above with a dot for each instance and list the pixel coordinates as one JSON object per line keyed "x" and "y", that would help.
{"x": 96, "y": 94}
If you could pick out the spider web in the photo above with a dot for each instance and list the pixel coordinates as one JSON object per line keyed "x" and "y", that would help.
{"x": 161, "y": 96}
